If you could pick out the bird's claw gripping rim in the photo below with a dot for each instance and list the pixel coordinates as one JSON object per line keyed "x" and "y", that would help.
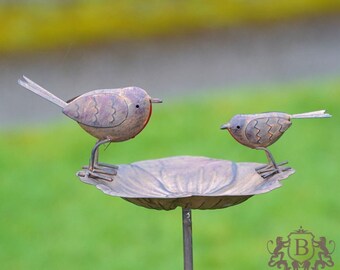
{"x": 270, "y": 169}
{"x": 96, "y": 170}
{"x": 99, "y": 173}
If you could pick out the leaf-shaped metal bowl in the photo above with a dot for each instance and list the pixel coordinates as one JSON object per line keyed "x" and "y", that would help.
{"x": 187, "y": 182}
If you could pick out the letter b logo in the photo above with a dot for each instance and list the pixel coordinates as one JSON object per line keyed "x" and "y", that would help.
{"x": 301, "y": 246}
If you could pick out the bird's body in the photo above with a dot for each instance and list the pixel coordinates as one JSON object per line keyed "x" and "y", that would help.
{"x": 259, "y": 131}
{"x": 119, "y": 114}
{"x": 110, "y": 115}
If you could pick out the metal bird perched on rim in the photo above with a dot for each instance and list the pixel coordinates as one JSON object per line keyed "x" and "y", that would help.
{"x": 110, "y": 115}
{"x": 258, "y": 131}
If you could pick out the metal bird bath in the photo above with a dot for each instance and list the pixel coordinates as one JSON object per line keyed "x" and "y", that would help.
{"x": 188, "y": 182}
{"x": 114, "y": 115}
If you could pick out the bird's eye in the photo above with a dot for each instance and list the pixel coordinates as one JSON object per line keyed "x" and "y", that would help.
{"x": 137, "y": 106}
{"x": 238, "y": 127}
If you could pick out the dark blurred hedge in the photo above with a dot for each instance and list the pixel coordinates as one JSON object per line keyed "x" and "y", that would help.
{"x": 29, "y": 25}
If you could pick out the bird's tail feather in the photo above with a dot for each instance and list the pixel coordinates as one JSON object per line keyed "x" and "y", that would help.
{"x": 316, "y": 114}
{"x": 37, "y": 89}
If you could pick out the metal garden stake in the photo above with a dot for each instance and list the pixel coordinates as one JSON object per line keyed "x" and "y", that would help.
{"x": 187, "y": 238}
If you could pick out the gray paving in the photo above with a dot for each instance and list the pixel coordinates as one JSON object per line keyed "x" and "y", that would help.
{"x": 172, "y": 66}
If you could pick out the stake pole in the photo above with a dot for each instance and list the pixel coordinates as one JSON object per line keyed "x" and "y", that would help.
{"x": 187, "y": 238}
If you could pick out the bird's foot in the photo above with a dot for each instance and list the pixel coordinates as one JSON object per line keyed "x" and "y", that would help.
{"x": 103, "y": 166}
{"x": 94, "y": 175}
{"x": 102, "y": 171}
{"x": 270, "y": 166}
{"x": 271, "y": 169}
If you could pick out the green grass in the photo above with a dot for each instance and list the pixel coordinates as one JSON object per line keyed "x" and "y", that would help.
{"x": 52, "y": 24}
{"x": 50, "y": 220}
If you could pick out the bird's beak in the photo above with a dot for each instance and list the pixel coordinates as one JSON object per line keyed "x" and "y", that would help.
{"x": 156, "y": 100}
{"x": 226, "y": 126}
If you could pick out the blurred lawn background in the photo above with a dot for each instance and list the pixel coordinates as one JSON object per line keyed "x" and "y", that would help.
{"x": 50, "y": 220}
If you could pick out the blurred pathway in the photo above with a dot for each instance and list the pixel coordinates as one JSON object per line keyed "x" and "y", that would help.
{"x": 172, "y": 66}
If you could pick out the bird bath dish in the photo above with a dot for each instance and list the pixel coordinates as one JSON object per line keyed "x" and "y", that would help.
{"x": 187, "y": 182}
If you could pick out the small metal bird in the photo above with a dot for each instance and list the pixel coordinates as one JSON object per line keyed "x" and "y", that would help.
{"x": 258, "y": 131}
{"x": 110, "y": 115}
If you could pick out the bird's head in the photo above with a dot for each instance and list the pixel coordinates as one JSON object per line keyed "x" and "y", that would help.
{"x": 139, "y": 99}
{"x": 139, "y": 107}
{"x": 236, "y": 126}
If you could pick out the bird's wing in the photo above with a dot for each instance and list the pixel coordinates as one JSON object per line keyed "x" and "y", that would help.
{"x": 267, "y": 130}
{"x": 99, "y": 110}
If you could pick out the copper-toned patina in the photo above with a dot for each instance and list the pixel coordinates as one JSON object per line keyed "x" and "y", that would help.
{"x": 188, "y": 182}
{"x": 110, "y": 115}
{"x": 259, "y": 131}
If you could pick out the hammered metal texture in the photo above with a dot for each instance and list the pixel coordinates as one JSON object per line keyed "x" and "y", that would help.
{"x": 98, "y": 110}
{"x": 186, "y": 181}
{"x": 265, "y": 131}
{"x": 118, "y": 114}
{"x": 259, "y": 130}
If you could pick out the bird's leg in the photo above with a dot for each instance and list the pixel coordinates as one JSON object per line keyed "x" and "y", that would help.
{"x": 271, "y": 166}
{"x": 98, "y": 164}
{"x": 95, "y": 154}
{"x": 270, "y": 158}
{"x": 94, "y": 157}
{"x": 98, "y": 170}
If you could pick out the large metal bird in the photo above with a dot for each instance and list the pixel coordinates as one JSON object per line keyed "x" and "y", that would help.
{"x": 259, "y": 131}
{"x": 110, "y": 115}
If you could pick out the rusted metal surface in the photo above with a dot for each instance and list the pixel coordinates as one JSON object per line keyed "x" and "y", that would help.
{"x": 110, "y": 115}
{"x": 259, "y": 131}
{"x": 187, "y": 182}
